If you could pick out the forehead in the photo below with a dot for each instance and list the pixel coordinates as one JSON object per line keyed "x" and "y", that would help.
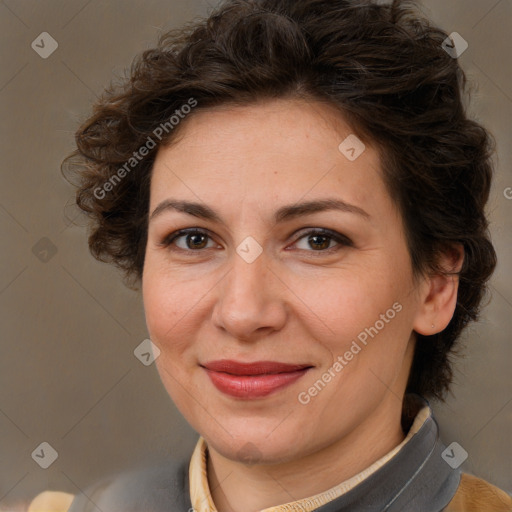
{"x": 265, "y": 152}
{"x": 275, "y": 125}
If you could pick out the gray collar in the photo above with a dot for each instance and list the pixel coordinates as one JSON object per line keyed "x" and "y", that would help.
{"x": 416, "y": 479}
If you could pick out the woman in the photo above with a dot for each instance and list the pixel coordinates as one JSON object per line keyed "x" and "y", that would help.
{"x": 297, "y": 188}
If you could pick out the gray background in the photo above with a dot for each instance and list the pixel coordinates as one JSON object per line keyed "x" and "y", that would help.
{"x": 69, "y": 326}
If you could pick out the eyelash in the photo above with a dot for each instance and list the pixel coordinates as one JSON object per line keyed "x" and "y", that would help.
{"x": 342, "y": 240}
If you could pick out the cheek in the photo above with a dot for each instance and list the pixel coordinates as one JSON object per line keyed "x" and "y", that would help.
{"x": 346, "y": 301}
{"x": 169, "y": 305}
{"x": 367, "y": 321}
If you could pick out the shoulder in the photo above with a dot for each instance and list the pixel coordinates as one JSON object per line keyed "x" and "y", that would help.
{"x": 476, "y": 495}
{"x": 156, "y": 488}
{"x": 51, "y": 501}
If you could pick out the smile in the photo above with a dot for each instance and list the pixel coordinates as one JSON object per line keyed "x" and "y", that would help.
{"x": 252, "y": 380}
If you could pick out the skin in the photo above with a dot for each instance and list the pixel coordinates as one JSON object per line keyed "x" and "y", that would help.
{"x": 295, "y": 303}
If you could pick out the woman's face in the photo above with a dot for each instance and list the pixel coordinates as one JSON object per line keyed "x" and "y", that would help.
{"x": 258, "y": 282}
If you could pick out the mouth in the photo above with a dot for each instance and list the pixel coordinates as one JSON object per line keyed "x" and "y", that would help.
{"x": 253, "y": 380}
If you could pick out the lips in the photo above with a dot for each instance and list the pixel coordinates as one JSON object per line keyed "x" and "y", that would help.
{"x": 253, "y": 380}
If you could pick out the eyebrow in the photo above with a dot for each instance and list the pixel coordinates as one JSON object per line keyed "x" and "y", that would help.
{"x": 285, "y": 213}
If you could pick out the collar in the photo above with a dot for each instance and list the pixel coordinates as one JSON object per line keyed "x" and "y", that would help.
{"x": 388, "y": 482}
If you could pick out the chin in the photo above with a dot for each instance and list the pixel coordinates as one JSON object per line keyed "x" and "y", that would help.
{"x": 257, "y": 449}
{"x": 258, "y": 441}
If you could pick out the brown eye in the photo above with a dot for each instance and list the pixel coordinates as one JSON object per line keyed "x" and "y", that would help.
{"x": 319, "y": 242}
{"x": 196, "y": 241}
{"x": 322, "y": 240}
{"x": 188, "y": 240}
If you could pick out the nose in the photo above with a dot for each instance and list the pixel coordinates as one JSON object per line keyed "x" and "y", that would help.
{"x": 250, "y": 302}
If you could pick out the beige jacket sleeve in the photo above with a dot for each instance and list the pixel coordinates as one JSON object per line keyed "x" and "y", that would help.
{"x": 477, "y": 495}
{"x": 51, "y": 501}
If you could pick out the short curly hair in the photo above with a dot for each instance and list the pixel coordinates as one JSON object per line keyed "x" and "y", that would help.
{"x": 383, "y": 66}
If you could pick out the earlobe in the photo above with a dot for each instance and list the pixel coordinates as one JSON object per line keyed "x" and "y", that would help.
{"x": 438, "y": 296}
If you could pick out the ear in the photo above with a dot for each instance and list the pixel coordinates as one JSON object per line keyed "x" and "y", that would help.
{"x": 438, "y": 294}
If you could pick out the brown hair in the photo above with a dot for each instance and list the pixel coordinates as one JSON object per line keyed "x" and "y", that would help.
{"x": 382, "y": 66}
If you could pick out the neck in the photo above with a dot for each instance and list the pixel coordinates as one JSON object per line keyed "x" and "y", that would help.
{"x": 238, "y": 487}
